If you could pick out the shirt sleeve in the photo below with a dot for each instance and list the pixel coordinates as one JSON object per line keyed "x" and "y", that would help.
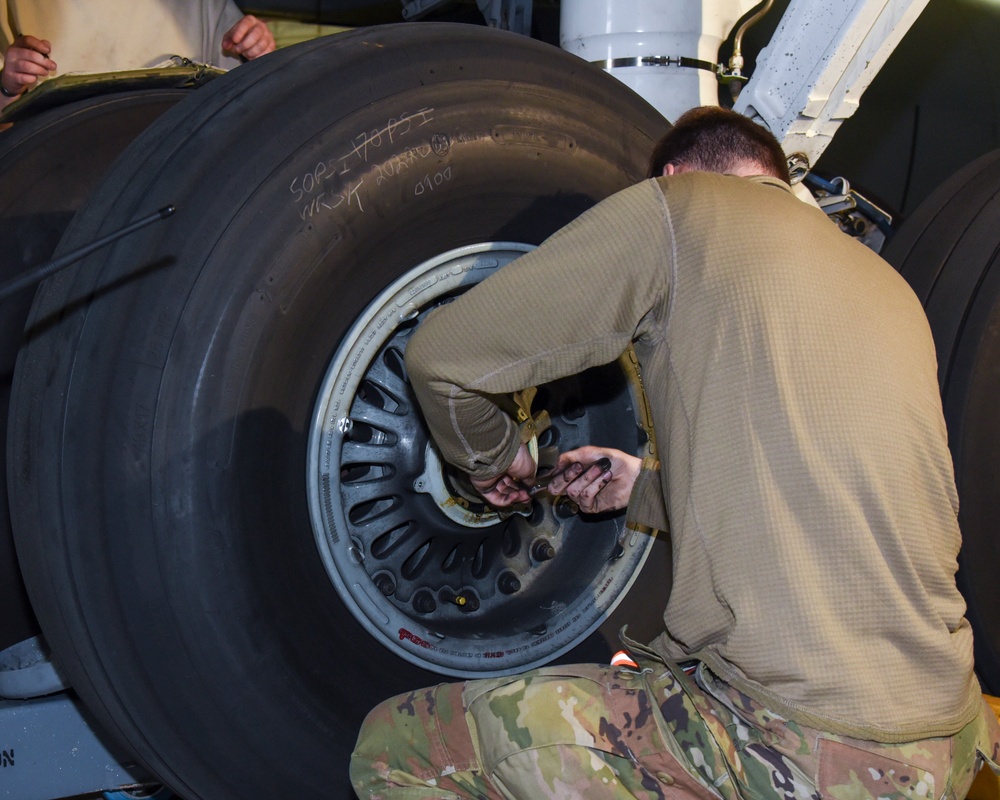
{"x": 7, "y": 34}
{"x": 573, "y": 303}
{"x": 647, "y": 508}
{"x": 219, "y": 17}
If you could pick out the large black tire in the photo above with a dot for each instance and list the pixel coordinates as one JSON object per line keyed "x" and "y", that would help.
{"x": 50, "y": 163}
{"x": 949, "y": 251}
{"x": 164, "y": 404}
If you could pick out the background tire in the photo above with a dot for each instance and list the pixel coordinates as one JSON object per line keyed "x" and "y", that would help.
{"x": 50, "y": 163}
{"x": 949, "y": 251}
{"x": 163, "y": 404}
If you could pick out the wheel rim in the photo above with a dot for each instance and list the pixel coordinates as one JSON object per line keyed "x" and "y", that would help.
{"x": 435, "y": 575}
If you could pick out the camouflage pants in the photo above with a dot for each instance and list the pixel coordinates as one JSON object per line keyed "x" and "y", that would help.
{"x": 591, "y": 731}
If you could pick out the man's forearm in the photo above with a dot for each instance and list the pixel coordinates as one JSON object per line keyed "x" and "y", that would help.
{"x": 471, "y": 431}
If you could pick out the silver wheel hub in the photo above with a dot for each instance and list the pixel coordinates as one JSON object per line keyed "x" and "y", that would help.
{"x": 426, "y": 567}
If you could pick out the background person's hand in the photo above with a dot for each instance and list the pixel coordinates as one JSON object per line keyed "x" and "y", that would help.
{"x": 510, "y": 487}
{"x": 27, "y": 60}
{"x": 595, "y": 490}
{"x": 249, "y": 38}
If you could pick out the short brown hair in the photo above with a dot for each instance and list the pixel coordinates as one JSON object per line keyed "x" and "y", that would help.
{"x": 718, "y": 140}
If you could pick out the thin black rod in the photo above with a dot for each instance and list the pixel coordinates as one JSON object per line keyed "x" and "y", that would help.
{"x": 43, "y": 271}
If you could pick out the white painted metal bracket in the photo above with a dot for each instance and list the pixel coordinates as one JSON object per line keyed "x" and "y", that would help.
{"x": 823, "y": 56}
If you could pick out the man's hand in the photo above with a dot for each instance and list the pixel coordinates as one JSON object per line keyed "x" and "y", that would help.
{"x": 249, "y": 38}
{"x": 509, "y": 487}
{"x": 595, "y": 490}
{"x": 27, "y": 60}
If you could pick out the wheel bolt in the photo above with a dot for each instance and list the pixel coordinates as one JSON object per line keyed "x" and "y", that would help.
{"x": 565, "y": 508}
{"x": 423, "y": 603}
{"x": 542, "y": 549}
{"x": 508, "y": 583}
{"x": 385, "y": 584}
{"x": 573, "y": 410}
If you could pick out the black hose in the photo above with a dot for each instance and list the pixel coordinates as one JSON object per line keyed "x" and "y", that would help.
{"x": 47, "y": 268}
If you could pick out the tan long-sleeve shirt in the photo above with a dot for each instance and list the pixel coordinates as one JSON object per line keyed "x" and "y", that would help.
{"x": 805, "y": 471}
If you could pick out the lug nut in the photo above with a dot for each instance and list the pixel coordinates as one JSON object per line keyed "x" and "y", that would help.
{"x": 542, "y": 549}
{"x": 423, "y": 603}
{"x": 508, "y": 583}
{"x": 385, "y": 584}
{"x": 564, "y": 508}
{"x": 573, "y": 409}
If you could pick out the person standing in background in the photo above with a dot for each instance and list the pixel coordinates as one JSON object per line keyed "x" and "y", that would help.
{"x": 41, "y": 39}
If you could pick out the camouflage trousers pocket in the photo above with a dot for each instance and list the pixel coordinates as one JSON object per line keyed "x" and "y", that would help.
{"x": 851, "y": 770}
{"x": 581, "y": 731}
{"x": 977, "y": 746}
{"x": 942, "y": 767}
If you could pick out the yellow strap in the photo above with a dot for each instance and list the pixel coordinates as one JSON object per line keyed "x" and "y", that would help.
{"x": 531, "y": 426}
